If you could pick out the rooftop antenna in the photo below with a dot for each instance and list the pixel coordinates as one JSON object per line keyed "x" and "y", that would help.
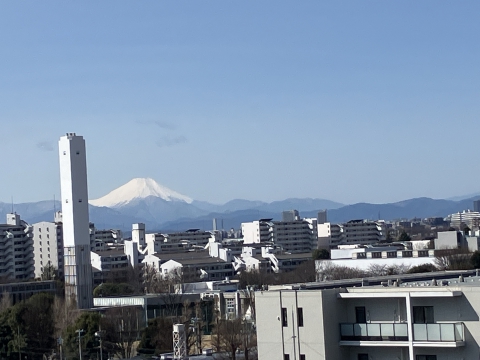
{"x": 54, "y": 205}
{"x": 12, "y": 204}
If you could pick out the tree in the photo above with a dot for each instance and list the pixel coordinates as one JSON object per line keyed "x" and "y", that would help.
{"x": 453, "y": 259}
{"x": 157, "y": 336}
{"x": 5, "y": 302}
{"x": 475, "y": 259}
{"x": 89, "y": 322}
{"x": 319, "y": 254}
{"x": 404, "y": 236}
{"x": 49, "y": 272}
{"x": 328, "y": 271}
{"x": 121, "y": 327}
{"x": 423, "y": 268}
{"x": 229, "y": 336}
{"x": 113, "y": 289}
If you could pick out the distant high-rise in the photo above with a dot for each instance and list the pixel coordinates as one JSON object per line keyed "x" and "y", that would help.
{"x": 76, "y": 235}
{"x": 322, "y": 217}
{"x": 476, "y": 205}
{"x": 290, "y": 215}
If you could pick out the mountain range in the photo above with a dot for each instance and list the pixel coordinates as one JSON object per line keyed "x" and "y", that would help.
{"x": 160, "y": 208}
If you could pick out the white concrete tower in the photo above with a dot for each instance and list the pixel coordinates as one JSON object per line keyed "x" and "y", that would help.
{"x": 76, "y": 235}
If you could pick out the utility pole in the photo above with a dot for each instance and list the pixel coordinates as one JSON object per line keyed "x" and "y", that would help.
{"x": 80, "y": 332}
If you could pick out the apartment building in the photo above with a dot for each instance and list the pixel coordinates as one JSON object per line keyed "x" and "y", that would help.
{"x": 16, "y": 249}
{"x": 420, "y": 320}
{"x": 109, "y": 264}
{"x": 296, "y": 236}
{"x": 48, "y": 245}
{"x": 352, "y": 232}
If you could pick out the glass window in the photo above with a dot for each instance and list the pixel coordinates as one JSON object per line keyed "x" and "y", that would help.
{"x": 423, "y": 315}
{"x": 284, "y": 317}
{"x": 360, "y": 315}
{"x": 286, "y": 357}
{"x": 362, "y": 357}
{"x": 300, "y": 316}
{"x": 426, "y": 357}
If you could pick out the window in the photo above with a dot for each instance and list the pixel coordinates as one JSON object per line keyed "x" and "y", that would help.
{"x": 302, "y": 357}
{"x": 360, "y": 315}
{"x": 362, "y": 356}
{"x": 300, "y": 316}
{"x": 286, "y": 357}
{"x": 423, "y": 314}
{"x": 426, "y": 357}
{"x": 284, "y": 317}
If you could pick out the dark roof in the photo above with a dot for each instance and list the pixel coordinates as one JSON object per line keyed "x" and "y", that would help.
{"x": 113, "y": 252}
{"x": 294, "y": 256}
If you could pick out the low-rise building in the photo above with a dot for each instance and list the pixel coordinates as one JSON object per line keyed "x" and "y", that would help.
{"x": 416, "y": 320}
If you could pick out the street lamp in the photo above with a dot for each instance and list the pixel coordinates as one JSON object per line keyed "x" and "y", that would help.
{"x": 99, "y": 334}
{"x": 80, "y": 333}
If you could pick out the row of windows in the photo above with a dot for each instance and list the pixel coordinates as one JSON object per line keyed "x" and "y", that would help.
{"x": 299, "y": 317}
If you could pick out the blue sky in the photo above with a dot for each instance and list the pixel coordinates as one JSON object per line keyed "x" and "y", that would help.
{"x": 373, "y": 101}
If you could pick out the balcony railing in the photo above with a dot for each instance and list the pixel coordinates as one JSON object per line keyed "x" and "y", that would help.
{"x": 444, "y": 332}
{"x": 374, "y": 332}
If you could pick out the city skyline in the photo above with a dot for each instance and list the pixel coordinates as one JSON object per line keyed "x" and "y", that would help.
{"x": 348, "y": 102}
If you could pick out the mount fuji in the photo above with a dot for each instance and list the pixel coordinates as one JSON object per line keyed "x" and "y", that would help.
{"x": 144, "y": 198}
{"x": 139, "y": 188}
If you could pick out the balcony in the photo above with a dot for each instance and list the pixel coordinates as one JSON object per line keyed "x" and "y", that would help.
{"x": 378, "y": 332}
{"x": 396, "y": 334}
{"x": 439, "y": 334}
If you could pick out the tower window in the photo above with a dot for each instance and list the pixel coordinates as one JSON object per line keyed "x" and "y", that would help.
{"x": 79, "y": 200}
{"x": 78, "y": 152}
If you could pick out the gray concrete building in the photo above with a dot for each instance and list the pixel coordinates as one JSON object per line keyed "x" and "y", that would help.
{"x": 420, "y": 320}
{"x": 16, "y": 249}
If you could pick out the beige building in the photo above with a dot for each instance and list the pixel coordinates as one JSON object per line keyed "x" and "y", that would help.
{"x": 426, "y": 320}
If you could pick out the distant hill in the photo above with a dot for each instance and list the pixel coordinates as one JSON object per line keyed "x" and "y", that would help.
{"x": 160, "y": 208}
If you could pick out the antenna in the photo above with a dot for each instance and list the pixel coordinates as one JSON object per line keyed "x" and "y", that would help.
{"x": 12, "y": 204}
{"x": 54, "y": 205}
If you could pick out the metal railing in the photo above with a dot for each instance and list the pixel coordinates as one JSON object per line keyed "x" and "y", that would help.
{"x": 440, "y": 332}
{"x": 374, "y": 331}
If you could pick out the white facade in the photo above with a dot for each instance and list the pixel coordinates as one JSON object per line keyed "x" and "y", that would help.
{"x": 414, "y": 322}
{"x": 293, "y": 236}
{"x": 48, "y": 246}
{"x": 76, "y": 235}
{"x": 351, "y": 232}
{"x": 16, "y": 249}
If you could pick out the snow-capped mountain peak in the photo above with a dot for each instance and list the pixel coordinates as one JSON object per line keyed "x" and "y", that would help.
{"x": 138, "y": 188}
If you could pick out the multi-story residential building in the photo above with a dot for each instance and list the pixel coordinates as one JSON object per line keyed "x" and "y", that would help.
{"x": 16, "y": 249}
{"x": 351, "y": 232}
{"x": 48, "y": 245}
{"x": 468, "y": 218}
{"x": 194, "y": 236}
{"x": 109, "y": 265}
{"x": 419, "y": 320}
{"x": 295, "y": 236}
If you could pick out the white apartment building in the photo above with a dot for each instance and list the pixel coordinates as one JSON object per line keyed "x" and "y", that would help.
{"x": 423, "y": 320}
{"x": 296, "y": 236}
{"x": 48, "y": 246}
{"x": 469, "y": 218}
{"x": 16, "y": 249}
{"x": 352, "y": 232}
{"x": 109, "y": 265}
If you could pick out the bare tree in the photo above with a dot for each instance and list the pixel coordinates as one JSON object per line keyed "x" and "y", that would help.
{"x": 230, "y": 336}
{"x": 121, "y": 327}
{"x": 453, "y": 259}
{"x": 6, "y": 301}
{"x": 328, "y": 271}
{"x": 64, "y": 314}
